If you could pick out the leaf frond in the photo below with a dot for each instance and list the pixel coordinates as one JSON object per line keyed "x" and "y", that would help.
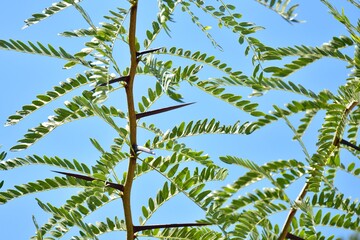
{"x": 80, "y": 108}
{"x": 41, "y": 100}
{"x": 40, "y": 186}
{"x": 73, "y": 165}
{"x": 250, "y": 177}
{"x": 40, "y": 49}
{"x": 49, "y": 11}
{"x": 282, "y": 8}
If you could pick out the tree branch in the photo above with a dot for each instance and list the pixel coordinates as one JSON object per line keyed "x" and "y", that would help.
{"x": 132, "y": 122}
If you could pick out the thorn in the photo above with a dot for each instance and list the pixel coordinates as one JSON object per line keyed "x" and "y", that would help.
{"x": 87, "y": 178}
{"x": 349, "y": 144}
{"x": 291, "y": 236}
{"x": 138, "y": 54}
{"x": 174, "y": 225}
{"x": 143, "y": 149}
{"x": 161, "y": 110}
{"x": 119, "y": 79}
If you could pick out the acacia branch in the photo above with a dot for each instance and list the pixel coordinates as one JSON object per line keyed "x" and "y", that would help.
{"x": 132, "y": 122}
{"x": 285, "y": 229}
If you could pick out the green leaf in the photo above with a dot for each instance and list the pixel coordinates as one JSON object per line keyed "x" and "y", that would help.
{"x": 145, "y": 212}
{"x": 351, "y": 167}
{"x": 317, "y": 218}
{"x": 70, "y": 65}
{"x": 3, "y": 155}
{"x": 272, "y": 69}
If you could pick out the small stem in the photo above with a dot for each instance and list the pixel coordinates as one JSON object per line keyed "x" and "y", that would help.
{"x": 132, "y": 123}
{"x": 292, "y": 213}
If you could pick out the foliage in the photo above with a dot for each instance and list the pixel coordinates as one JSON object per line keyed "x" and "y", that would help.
{"x": 185, "y": 170}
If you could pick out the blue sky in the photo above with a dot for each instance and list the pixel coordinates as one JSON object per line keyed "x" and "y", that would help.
{"x": 24, "y": 76}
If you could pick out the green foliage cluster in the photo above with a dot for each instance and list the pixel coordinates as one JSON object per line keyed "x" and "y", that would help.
{"x": 228, "y": 213}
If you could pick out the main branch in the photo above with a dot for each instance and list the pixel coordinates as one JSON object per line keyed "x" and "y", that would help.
{"x": 132, "y": 122}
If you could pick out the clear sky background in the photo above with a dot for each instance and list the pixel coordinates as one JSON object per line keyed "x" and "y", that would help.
{"x": 24, "y": 76}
